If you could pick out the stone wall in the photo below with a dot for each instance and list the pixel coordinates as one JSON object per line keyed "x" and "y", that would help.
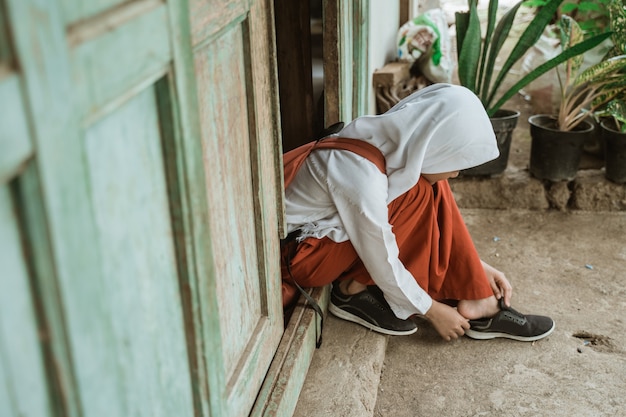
{"x": 518, "y": 190}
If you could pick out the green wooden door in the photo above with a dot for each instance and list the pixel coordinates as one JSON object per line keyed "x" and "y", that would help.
{"x": 234, "y": 61}
{"x": 139, "y": 174}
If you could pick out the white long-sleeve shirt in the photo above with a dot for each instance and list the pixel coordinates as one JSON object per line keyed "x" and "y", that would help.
{"x": 343, "y": 196}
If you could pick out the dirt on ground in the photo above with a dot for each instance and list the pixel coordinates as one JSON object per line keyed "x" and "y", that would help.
{"x": 570, "y": 266}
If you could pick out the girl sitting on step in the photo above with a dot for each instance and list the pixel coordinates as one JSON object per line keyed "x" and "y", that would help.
{"x": 370, "y": 211}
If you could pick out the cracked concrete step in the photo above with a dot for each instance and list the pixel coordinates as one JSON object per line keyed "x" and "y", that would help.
{"x": 345, "y": 372}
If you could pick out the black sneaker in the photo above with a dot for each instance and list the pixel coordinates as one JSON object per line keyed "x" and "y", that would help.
{"x": 511, "y": 324}
{"x": 370, "y": 309}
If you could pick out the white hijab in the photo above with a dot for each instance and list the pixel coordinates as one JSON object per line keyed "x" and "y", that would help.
{"x": 440, "y": 128}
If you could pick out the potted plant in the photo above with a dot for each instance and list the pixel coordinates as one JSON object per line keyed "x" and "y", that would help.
{"x": 612, "y": 116}
{"x": 557, "y": 140}
{"x": 476, "y": 64}
{"x": 614, "y": 136}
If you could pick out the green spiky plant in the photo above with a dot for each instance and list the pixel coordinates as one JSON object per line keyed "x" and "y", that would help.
{"x": 589, "y": 91}
{"x": 477, "y": 55}
{"x": 615, "y": 108}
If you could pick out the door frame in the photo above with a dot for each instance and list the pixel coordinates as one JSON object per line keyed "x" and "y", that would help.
{"x": 346, "y": 89}
{"x": 346, "y": 59}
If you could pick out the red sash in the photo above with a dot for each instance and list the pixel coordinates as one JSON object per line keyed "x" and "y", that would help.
{"x": 293, "y": 160}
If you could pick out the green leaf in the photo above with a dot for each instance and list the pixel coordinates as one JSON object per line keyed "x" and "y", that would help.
{"x": 571, "y": 34}
{"x": 609, "y": 92}
{"x": 547, "y": 66}
{"x": 588, "y": 6}
{"x": 534, "y": 3}
{"x": 461, "y": 20}
{"x": 569, "y": 7}
{"x": 591, "y": 26}
{"x": 599, "y": 72}
{"x": 527, "y": 39}
{"x": 491, "y": 22}
{"x": 501, "y": 34}
{"x": 617, "y": 110}
{"x": 617, "y": 13}
{"x": 470, "y": 50}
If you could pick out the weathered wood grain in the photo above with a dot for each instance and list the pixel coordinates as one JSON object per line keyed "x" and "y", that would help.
{"x": 23, "y": 389}
{"x": 15, "y": 145}
{"x": 113, "y": 67}
{"x": 141, "y": 317}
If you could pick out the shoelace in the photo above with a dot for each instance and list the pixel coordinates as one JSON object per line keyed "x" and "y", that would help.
{"x": 513, "y": 314}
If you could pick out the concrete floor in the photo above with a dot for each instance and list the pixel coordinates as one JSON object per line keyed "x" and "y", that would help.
{"x": 566, "y": 265}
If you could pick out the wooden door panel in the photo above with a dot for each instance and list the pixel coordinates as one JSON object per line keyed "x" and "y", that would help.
{"x": 75, "y": 10}
{"x": 209, "y": 16}
{"x": 239, "y": 156}
{"x": 23, "y": 391}
{"x": 23, "y": 387}
{"x": 141, "y": 366}
{"x": 15, "y": 145}
{"x": 113, "y": 62}
{"x": 226, "y": 144}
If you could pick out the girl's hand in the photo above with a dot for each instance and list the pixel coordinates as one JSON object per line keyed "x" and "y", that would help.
{"x": 499, "y": 284}
{"x": 447, "y": 321}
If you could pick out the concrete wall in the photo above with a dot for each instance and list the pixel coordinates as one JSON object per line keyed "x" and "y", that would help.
{"x": 384, "y": 24}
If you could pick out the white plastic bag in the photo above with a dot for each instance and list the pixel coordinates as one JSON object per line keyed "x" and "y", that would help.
{"x": 426, "y": 42}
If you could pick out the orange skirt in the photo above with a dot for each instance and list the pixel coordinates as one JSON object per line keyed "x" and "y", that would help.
{"x": 434, "y": 245}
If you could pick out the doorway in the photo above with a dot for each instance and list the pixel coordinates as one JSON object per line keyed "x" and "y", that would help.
{"x": 299, "y": 52}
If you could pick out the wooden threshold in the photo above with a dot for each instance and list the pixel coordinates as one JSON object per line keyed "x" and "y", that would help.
{"x": 284, "y": 380}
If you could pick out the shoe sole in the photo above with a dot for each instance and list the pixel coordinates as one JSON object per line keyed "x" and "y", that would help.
{"x": 493, "y": 335}
{"x": 342, "y": 314}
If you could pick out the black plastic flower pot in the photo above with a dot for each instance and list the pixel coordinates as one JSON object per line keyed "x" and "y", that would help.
{"x": 503, "y": 122}
{"x": 615, "y": 152}
{"x": 555, "y": 154}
